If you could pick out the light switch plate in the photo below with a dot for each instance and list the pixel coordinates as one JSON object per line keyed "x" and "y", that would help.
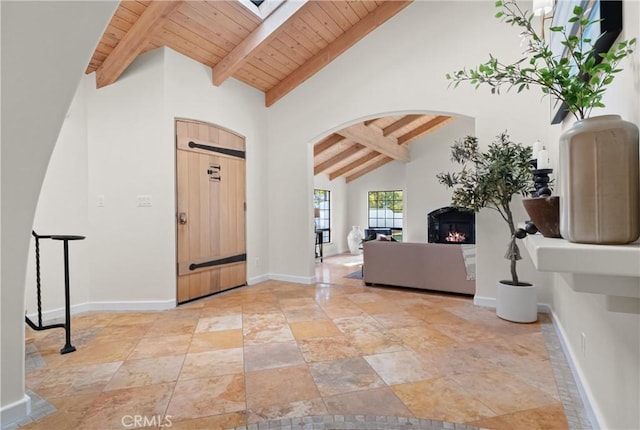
{"x": 143, "y": 200}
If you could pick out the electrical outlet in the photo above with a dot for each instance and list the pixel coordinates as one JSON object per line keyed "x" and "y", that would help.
{"x": 583, "y": 344}
{"x": 257, "y": 262}
{"x": 100, "y": 200}
{"x": 143, "y": 200}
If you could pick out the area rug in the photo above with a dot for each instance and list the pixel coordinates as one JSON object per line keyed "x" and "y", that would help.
{"x": 355, "y": 275}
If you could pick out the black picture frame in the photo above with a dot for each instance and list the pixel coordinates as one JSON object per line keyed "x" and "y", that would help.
{"x": 605, "y": 34}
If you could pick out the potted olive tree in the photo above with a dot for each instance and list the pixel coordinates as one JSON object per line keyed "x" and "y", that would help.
{"x": 606, "y": 210}
{"x": 490, "y": 179}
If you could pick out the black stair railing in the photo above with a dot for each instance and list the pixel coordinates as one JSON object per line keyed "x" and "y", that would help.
{"x": 67, "y": 348}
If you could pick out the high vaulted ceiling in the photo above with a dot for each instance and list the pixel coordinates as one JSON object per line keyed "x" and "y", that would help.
{"x": 363, "y": 147}
{"x": 274, "y": 54}
{"x": 274, "y": 47}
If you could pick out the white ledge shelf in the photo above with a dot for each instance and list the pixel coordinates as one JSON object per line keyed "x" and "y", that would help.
{"x": 611, "y": 270}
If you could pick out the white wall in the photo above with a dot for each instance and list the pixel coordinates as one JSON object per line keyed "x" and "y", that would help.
{"x": 132, "y": 256}
{"x": 239, "y": 108}
{"x": 339, "y": 224}
{"x": 413, "y": 57}
{"x": 133, "y": 152}
{"x": 20, "y": 408}
{"x": 62, "y": 209}
{"x": 610, "y": 369}
{"x": 431, "y": 155}
{"x": 118, "y": 142}
{"x": 411, "y": 67}
{"x": 37, "y": 90}
{"x": 290, "y": 212}
{"x": 391, "y": 176}
{"x": 610, "y": 366}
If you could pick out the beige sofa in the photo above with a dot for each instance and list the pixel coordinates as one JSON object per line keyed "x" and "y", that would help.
{"x": 430, "y": 266}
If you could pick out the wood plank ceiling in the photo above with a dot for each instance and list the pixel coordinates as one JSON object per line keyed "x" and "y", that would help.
{"x": 274, "y": 48}
{"x": 274, "y": 54}
{"x": 363, "y": 147}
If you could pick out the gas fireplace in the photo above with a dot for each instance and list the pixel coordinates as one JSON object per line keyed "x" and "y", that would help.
{"x": 452, "y": 225}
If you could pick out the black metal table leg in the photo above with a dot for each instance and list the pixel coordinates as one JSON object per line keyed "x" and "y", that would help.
{"x": 319, "y": 250}
{"x": 67, "y": 302}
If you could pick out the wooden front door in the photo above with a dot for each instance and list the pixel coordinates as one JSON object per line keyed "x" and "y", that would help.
{"x": 210, "y": 169}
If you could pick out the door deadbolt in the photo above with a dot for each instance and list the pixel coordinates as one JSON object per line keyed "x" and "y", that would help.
{"x": 182, "y": 218}
{"x": 214, "y": 172}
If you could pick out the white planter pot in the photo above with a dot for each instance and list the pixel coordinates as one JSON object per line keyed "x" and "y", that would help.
{"x": 517, "y": 304}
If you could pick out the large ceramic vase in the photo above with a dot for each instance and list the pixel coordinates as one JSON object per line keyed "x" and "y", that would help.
{"x": 517, "y": 303}
{"x": 599, "y": 184}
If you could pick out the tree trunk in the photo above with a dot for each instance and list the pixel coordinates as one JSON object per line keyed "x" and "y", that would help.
{"x": 512, "y": 245}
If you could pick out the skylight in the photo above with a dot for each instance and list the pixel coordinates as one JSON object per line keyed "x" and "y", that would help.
{"x": 261, "y": 8}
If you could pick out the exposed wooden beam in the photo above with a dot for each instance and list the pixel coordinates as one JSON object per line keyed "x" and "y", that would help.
{"x": 369, "y": 168}
{"x": 326, "y": 143}
{"x": 134, "y": 42}
{"x": 259, "y": 37}
{"x": 405, "y": 120}
{"x": 376, "y": 141}
{"x": 352, "y": 150}
{"x": 373, "y": 121}
{"x": 354, "y": 165}
{"x": 349, "y": 38}
{"x": 424, "y": 129}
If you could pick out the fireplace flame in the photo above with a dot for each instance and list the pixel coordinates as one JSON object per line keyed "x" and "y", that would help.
{"x": 456, "y": 237}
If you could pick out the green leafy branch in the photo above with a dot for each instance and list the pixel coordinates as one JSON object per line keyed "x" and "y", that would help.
{"x": 579, "y": 78}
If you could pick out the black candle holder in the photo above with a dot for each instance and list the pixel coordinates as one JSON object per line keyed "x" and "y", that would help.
{"x": 541, "y": 182}
{"x": 544, "y": 212}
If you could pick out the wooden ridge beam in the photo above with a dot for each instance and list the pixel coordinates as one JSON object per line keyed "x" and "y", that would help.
{"x": 352, "y": 150}
{"x": 405, "y": 120}
{"x": 369, "y": 168}
{"x": 373, "y": 140}
{"x": 326, "y": 143}
{"x": 258, "y": 38}
{"x": 134, "y": 41}
{"x": 353, "y": 165}
{"x": 345, "y": 41}
{"x": 425, "y": 128}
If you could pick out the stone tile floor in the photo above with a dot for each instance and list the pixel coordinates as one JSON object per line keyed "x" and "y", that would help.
{"x": 332, "y": 355}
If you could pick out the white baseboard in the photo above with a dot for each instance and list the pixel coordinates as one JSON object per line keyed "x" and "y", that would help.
{"x": 14, "y": 412}
{"x": 152, "y": 305}
{"x": 278, "y": 277}
{"x": 593, "y": 413}
{"x": 544, "y": 308}
{"x": 257, "y": 279}
{"x": 490, "y": 302}
{"x": 485, "y": 302}
{"x": 141, "y": 305}
{"x": 295, "y": 279}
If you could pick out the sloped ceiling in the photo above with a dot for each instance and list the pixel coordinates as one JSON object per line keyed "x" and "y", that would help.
{"x": 273, "y": 48}
{"x": 273, "y": 53}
